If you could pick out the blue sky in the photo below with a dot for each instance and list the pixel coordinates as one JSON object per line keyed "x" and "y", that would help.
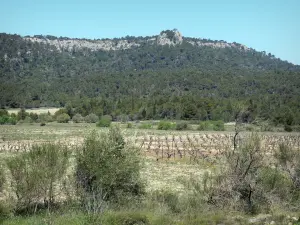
{"x": 271, "y": 26}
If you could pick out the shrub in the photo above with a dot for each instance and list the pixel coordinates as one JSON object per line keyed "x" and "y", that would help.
{"x": 218, "y": 125}
{"x": 211, "y": 125}
{"x": 91, "y": 118}
{"x": 105, "y": 121}
{"x": 288, "y": 128}
{"x": 181, "y": 126}
{"x": 145, "y": 126}
{"x": 3, "y": 112}
{"x": 22, "y": 114}
{"x": 63, "y": 118}
{"x": 123, "y": 118}
{"x": 34, "y": 117}
{"x": 108, "y": 168}
{"x": 164, "y": 125}
{"x": 59, "y": 112}
{"x": 7, "y": 120}
{"x": 77, "y": 118}
{"x": 205, "y": 125}
{"x": 36, "y": 174}
{"x": 45, "y": 117}
{"x": 237, "y": 182}
{"x": 129, "y": 125}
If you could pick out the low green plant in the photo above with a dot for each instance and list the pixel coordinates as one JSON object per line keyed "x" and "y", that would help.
{"x": 145, "y": 126}
{"x": 210, "y": 125}
{"x": 45, "y": 118}
{"x": 164, "y": 125}
{"x": 288, "y": 128}
{"x": 181, "y": 126}
{"x": 63, "y": 118}
{"x": 77, "y": 118}
{"x": 129, "y": 125}
{"x": 91, "y": 118}
{"x": 7, "y": 120}
{"x": 105, "y": 121}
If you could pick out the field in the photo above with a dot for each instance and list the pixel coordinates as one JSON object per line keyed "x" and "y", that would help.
{"x": 170, "y": 158}
{"x": 168, "y": 155}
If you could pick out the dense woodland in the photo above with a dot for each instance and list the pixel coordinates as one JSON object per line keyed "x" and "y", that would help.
{"x": 151, "y": 81}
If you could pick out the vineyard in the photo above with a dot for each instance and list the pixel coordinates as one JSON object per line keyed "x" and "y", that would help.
{"x": 161, "y": 146}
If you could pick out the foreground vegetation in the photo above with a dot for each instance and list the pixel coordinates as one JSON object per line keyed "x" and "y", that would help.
{"x": 106, "y": 180}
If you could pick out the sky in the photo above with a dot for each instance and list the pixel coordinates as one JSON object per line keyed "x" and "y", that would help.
{"x": 265, "y": 25}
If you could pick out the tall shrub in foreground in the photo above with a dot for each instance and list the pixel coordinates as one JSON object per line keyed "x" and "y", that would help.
{"x": 108, "y": 169}
{"x": 36, "y": 175}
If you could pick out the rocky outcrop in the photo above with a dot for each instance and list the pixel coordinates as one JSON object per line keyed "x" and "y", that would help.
{"x": 169, "y": 37}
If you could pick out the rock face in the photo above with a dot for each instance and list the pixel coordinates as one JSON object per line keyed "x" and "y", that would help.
{"x": 169, "y": 37}
{"x": 166, "y": 37}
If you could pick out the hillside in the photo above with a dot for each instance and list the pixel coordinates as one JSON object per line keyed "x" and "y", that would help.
{"x": 162, "y": 76}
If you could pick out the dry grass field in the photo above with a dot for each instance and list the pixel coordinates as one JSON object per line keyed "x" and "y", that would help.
{"x": 170, "y": 158}
{"x": 169, "y": 155}
{"x": 35, "y": 110}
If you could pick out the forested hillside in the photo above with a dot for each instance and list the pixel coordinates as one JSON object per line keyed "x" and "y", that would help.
{"x": 163, "y": 76}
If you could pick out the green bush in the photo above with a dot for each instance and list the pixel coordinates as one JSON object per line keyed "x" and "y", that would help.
{"x": 129, "y": 125}
{"x": 45, "y": 118}
{"x": 22, "y": 114}
{"x": 218, "y": 125}
{"x": 7, "y": 120}
{"x": 3, "y": 112}
{"x": 288, "y": 128}
{"x": 63, "y": 118}
{"x": 59, "y": 112}
{"x": 34, "y": 117}
{"x": 181, "y": 126}
{"x": 77, "y": 118}
{"x": 105, "y": 121}
{"x": 37, "y": 174}
{"x": 210, "y": 125}
{"x": 164, "y": 125}
{"x": 91, "y": 118}
{"x": 145, "y": 126}
{"x": 107, "y": 168}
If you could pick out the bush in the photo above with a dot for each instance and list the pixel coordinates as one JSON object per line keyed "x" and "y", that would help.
{"x": 59, "y": 112}
{"x": 91, "y": 118}
{"x": 164, "y": 125}
{"x": 77, "y": 118}
{"x": 288, "y": 128}
{"x": 105, "y": 121}
{"x": 211, "y": 125}
{"x": 7, "y": 120}
{"x": 45, "y": 118}
{"x": 108, "y": 168}
{"x": 129, "y": 125}
{"x": 3, "y": 112}
{"x": 63, "y": 118}
{"x": 181, "y": 126}
{"x": 34, "y": 117}
{"x": 145, "y": 126}
{"x": 37, "y": 174}
{"x": 22, "y": 114}
{"x": 218, "y": 125}
{"x": 237, "y": 182}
